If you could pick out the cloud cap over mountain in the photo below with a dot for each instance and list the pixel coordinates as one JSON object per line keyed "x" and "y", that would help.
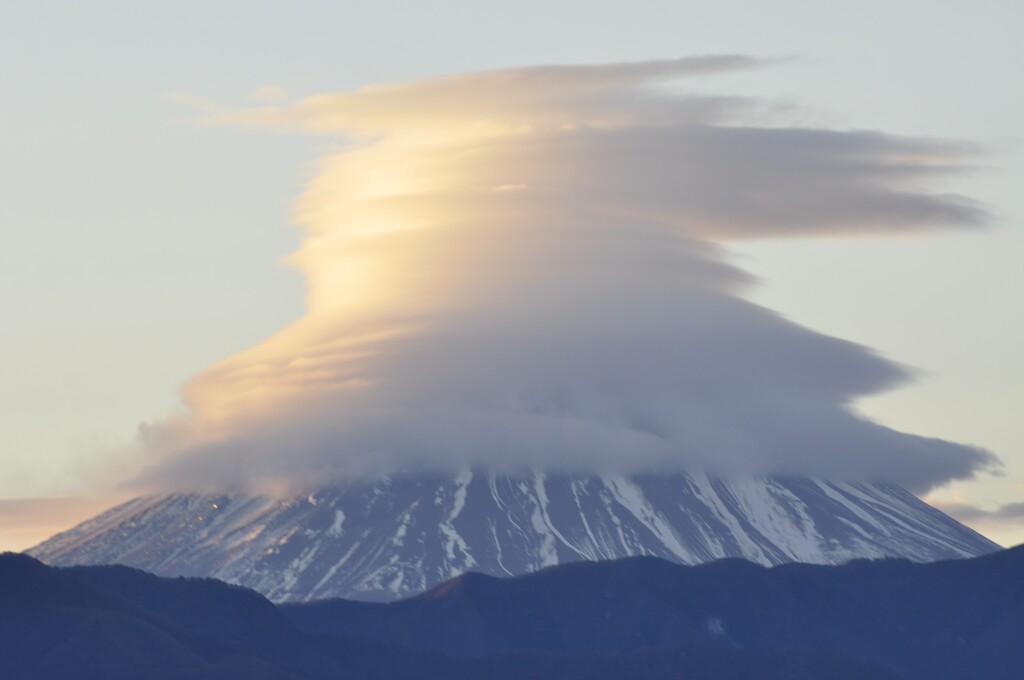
{"x": 527, "y": 268}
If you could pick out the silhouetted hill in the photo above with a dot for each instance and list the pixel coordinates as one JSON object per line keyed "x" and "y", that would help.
{"x": 953, "y": 619}
{"x": 640, "y": 618}
{"x": 116, "y": 622}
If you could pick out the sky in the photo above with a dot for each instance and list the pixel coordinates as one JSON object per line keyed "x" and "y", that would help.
{"x": 173, "y": 177}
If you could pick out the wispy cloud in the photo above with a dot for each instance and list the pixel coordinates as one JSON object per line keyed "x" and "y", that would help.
{"x": 1009, "y": 513}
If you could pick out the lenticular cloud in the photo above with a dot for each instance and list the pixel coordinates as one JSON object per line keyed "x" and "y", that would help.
{"x": 526, "y": 268}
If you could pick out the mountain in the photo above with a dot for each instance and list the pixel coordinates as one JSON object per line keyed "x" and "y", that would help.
{"x": 639, "y": 619}
{"x": 945, "y": 620}
{"x": 404, "y": 534}
{"x": 120, "y": 623}
{"x": 116, "y": 622}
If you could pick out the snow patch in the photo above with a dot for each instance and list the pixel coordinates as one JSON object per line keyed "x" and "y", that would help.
{"x": 339, "y": 521}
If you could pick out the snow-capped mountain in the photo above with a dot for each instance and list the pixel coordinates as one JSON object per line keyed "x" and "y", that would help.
{"x": 403, "y": 534}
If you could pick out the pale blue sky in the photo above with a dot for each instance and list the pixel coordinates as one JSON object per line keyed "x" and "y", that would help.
{"x": 140, "y": 246}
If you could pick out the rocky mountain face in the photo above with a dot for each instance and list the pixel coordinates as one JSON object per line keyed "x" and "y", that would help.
{"x": 402, "y": 535}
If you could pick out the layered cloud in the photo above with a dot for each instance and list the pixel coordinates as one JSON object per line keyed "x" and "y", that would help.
{"x": 529, "y": 268}
{"x": 1007, "y": 513}
{"x": 1003, "y": 523}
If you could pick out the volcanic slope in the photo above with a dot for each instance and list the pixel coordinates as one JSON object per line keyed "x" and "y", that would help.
{"x": 401, "y": 535}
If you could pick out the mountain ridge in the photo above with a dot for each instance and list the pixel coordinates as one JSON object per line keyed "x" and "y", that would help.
{"x": 948, "y": 619}
{"x": 399, "y": 536}
{"x": 642, "y": 618}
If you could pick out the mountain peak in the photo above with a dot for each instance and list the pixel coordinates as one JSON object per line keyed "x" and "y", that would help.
{"x": 401, "y": 536}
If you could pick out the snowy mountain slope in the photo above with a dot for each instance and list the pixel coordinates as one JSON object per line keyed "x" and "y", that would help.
{"x": 403, "y": 534}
